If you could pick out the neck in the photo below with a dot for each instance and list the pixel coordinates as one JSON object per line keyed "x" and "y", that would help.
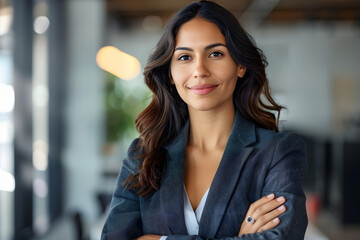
{"x": 210, "y": 130}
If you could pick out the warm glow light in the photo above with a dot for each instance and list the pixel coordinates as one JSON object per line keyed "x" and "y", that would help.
{"x": 7, "y": 181}
{"x": 6, "y": 16}
{"x": 7, "y": 98}
{"x": 5, "y": 22}
{"x": 118, "y": 63}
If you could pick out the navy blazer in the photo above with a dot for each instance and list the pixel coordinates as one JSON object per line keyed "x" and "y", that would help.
{"x": 256, "y": 162}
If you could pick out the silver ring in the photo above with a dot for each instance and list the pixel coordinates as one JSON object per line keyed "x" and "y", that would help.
{"x": 250, "y": 219}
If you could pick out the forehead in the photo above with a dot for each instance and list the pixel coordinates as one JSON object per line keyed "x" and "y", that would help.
{"x": 199, "y": 31}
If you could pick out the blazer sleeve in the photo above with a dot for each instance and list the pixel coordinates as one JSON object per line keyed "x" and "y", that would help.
{"x": 124, "y": 218}
{"x": 284, "y": 178}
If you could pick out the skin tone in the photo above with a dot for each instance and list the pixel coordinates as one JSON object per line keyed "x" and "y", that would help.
{"x": 205, "y": 75}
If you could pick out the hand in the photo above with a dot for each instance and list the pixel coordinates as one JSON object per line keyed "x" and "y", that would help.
{"x": 149, "y": 237}
{"x": 265, "y": 212}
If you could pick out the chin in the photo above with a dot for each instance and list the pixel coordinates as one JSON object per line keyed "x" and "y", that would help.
{"x": 202, "y": 108}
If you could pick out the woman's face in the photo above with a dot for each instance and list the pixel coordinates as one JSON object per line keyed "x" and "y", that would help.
{"x": 202, "y": 69}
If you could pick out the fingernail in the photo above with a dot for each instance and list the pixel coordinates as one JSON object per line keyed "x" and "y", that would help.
{"x": 276, "y": 220}
{"x": 270, "y": 196}
{"x": 280, "y": 199}
{"x": 281, "y": 208}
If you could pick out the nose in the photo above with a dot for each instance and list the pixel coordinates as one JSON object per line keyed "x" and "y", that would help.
{"x": 201, "y": 69}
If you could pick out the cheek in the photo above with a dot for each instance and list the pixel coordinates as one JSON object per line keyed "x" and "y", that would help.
{"x": 230, "y": 80}
{"x": 179, "y": 85}
{"x": 178, "y": 79}
{"x": 178, "y": 75}
{"x": 230, "y": 76}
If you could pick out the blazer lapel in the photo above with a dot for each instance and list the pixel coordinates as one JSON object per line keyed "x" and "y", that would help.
{"x": 235, "y": 155}
{"x": 172, "y": 186}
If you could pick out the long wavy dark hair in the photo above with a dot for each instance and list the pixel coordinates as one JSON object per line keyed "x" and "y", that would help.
{"x": 167, "y": 113}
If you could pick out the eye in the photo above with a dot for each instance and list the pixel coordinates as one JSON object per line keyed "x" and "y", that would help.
{"x": 184, "y": 58}
{"x": 216, "y": 54}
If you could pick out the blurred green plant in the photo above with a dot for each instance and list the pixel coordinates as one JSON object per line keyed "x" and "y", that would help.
{"x": 123, "y": 103}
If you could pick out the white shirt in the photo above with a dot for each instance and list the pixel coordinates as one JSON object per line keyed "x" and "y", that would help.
{"x": 192, "y": 218}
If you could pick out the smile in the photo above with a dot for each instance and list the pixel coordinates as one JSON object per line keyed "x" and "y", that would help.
{"x": 203, "y": 89}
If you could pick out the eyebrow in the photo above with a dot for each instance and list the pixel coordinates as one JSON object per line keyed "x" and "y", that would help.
{"x": 205, "y": 48}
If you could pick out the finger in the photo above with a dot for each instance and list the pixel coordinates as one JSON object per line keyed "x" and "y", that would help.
{"x": 270, "y": 225}
{"x": 263, "y": 211}
{"x": 263, "y": 200}
{"x": 268, "y": 217}
{"x": 264, "y": 222}
{"x": 267, "y": 207}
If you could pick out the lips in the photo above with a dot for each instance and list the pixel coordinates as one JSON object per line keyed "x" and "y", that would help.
{"x": 203, "y": 89}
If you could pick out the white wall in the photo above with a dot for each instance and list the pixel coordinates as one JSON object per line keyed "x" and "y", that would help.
{"x": 304, "y": 60}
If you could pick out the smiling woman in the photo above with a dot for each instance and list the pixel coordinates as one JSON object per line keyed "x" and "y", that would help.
{"x": 202, "y": 68}
{"x": 209, "y": 162}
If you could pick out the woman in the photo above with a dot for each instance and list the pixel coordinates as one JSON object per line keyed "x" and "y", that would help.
{"x": 209, "y": 162}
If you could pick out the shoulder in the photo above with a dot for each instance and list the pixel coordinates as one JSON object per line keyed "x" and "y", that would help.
{"x": 282, "y": 146}
{"x": 287, "y": 149}
{"x": 280, "y": 140}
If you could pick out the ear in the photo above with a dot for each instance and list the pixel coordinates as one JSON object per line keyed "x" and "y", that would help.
{"x": 241, "y": 70}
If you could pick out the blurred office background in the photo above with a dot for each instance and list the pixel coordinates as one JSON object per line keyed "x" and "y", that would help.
{"x": 67, "y": 112}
